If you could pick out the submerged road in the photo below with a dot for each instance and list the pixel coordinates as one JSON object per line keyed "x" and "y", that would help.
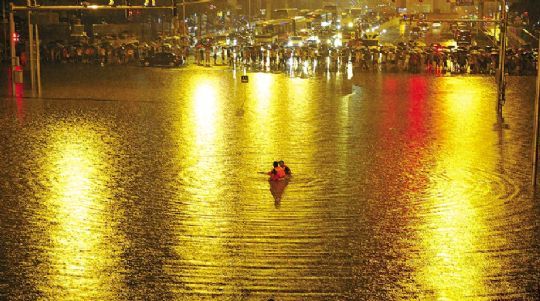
{"x": 128, "y": 183}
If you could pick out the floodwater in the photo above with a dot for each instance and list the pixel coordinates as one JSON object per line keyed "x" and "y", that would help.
{"x": 126, "y": 183}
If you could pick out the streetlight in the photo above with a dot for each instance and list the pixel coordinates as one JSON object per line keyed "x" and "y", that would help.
{"x": 536, "y": 124}
{"x": 501, "y": 79}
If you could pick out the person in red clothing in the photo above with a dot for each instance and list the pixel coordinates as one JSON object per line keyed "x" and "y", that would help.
{"x": 277, "y": 173}
{"x": 285, "y": 168}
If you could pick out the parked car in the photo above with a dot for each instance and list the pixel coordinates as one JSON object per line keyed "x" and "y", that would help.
{"x": 162, "y": 59}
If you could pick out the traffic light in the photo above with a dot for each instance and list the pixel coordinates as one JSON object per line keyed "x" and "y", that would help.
{"x": 15, "y": 37}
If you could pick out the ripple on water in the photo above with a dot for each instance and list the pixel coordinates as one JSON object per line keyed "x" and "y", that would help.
{"x": 401, "y": 190}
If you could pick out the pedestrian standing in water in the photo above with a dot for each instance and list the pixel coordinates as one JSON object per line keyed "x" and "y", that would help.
{"x": 277, "y": 173}
{"x": 286, "y": 168}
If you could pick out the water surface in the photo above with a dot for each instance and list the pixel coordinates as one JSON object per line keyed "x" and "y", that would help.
{"x": 127, "y": 183}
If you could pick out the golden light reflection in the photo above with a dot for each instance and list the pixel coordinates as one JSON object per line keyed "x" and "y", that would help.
{"x": 350, "y": 72}
{"x": 295, "y": 113}
{"x": 261, "y": 98}
{"x": 77, "y": 202}
{"x": 344, "y": 124}
{"x": 452, "y": 268}
{"x": 205, "y": 109}
{"x": 299, "y": 97}
{"x": 199, "y": 141}
{"x": 263, "y": 85}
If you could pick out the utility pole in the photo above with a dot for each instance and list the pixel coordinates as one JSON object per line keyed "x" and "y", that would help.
{"x": 501, "y": 78}
{"x": 184, "y": 13}
{"x": 31, "y": 47}
{"x": 4, "y": 29}
{"x": 536, "y": 126}
{"x": 14, "y": 62}
{"x": 38, "y": 60}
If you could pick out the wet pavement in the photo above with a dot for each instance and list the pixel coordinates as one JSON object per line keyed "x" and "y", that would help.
{"x": 128, "y": 183}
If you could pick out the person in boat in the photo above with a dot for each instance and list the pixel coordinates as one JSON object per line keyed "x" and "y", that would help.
{"x": 285, "y": 168}
{"x": 277, "y": 173}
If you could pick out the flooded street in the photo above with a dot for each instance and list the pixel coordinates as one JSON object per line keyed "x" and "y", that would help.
{"x": 128, "y": 183}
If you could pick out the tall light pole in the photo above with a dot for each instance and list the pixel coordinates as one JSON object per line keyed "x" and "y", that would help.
{"x": 501, "y": 78}
{"x": 536, "y": 125}
{"x": 31, "y": 47}
{"x": 4, "y": 28}
{"x": 184, "y": 13}
{"x": 14, "y": 62}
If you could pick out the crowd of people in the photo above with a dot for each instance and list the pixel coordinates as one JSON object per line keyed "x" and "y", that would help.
{"x": 406, "y": 57}
{"x": 519, "y": 62}
{"x": 393, "y": 59}
{"x": 105, "y": 52}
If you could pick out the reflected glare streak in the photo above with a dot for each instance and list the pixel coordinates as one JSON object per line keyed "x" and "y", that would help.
{"x": 263, "y": 85}
{"x": 299, "y": 102}
{"x": 350, "y": 72}
{"x": 78, "y": 201}
{"x": 201, "y": 231}
{"x": 205, "y": 112}
{"x": 453, "y": 269}
{"x": 263, "y": 101}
